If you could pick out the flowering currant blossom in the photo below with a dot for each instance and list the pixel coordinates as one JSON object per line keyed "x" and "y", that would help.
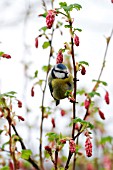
{"x": 101, "y": 114}
{"x": 50, "y": 18}
{"x": 76, "y": 40}
{"x": 59, "y": 58}
{"x": 88, "y": 147}
{"x": 36, "y": 42}
{"x": 107, "y": 97}
{"x": 6, "y": 56}
{"x": 72, "y": 146}
{"x": 86, "y": 103}
{"x": 83, "y": 70}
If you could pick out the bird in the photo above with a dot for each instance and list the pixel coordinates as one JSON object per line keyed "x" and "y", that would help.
{"x": 60, "y": 80}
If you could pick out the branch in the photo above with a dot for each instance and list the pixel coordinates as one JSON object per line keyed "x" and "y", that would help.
{"x": 24, "y": 147}
{"x": 104, "y": 60}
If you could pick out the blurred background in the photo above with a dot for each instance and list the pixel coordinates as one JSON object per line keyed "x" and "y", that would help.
{"x": 19, "y": 26}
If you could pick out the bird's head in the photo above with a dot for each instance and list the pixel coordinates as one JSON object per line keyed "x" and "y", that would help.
{"x": 60, "y": 71}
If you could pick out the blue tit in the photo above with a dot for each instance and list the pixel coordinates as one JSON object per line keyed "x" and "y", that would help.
{"x": 59, "y": 81}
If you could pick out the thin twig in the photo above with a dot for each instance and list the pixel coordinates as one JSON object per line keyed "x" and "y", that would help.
{"x": 56, "y": 158}
{"x": 43, "y": 97}
{"x": 104, "y": 60}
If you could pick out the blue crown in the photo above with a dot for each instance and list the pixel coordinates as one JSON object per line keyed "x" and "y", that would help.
{"x": 61, "y": 66}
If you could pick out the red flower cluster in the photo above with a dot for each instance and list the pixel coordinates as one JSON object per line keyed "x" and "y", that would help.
{"x": 59, "y": 58}
{"x": 50, "y": 18}
{"x": 88, "y": 147}
{"x": 76, "y": 40}
{"x": 72, "y": 146}
{"x": 107, "y": 97}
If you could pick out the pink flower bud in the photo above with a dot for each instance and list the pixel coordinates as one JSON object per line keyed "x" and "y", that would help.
{"x": 88, "y": 147}
{"x": 19, "y": 103}
{"x": 86, "y": 103}
{"x": 90, "y": 166}
{"x": 83, "y": 70}
{"x": 48, "y": 148}
{"x": 50, "y": 18}
{"x": 111, "y": 1}
{"x": 62, "y": 112}
{"x": 59, "y": 58}
{"x": 11, "y": 166}
{"x": 72, "y": 146}
{"x": 107, "y": 97}
{"x": 6, "y": 56}
{"x": 76, "y": 40}
{"x": 63, "y": 141}
{"x": 36, "y": 42}
{"x": 107, "y": 162}
{"x": 21, "y": 118}
{"x": 77, "y": 126}
{"x": 53, "y": 122}
{"x": 101, "y": 114}
{"x": 32, "y": 91}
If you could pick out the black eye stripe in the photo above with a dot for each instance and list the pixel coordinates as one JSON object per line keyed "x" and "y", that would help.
{"x": 59, "y": 71}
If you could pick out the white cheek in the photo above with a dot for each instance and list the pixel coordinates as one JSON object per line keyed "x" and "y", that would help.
{"x": 59, "y": 75}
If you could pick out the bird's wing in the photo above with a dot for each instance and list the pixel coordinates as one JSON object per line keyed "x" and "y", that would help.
{"x": 51, "y": 90}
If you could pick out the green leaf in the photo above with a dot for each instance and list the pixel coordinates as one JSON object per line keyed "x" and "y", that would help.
{"x": 46, "y": 44}
{"x": 43, "y": 29}
{"x": 70, "y": 7}
{"x": 99, "y": 81}
{"x": 93, "y": 93}
{"x": 8, "y": 94}
{"x": 84, "y": 62}
{"x": 77, "y": 29}
{"x": 45, "y": 68}
{"x": 1, "y": 53}
{"x": 36, "y": 74}
{"x": 5, "y": 168}
{"x": 83, "y": 122}
{"x": 48, "y": 110}
{"x": 52, "y": 136}
{"x": 63, "y": 4}
{"x": 43, "y": 15}
{"x": 1, "y": 131}
{"x": 74, "y": 6}
{"x": 67, "y": 26}
{"x": 106, "y": 139}
{"x": 26, "y": 154}
{"x": 40, "y": 82}
{"x": 64, "y": 158}
{"x": 80, "y": 92}
{"x": 6, "y": 143}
